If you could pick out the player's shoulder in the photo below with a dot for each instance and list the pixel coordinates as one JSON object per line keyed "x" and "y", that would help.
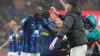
{"x": 25, "y": 18}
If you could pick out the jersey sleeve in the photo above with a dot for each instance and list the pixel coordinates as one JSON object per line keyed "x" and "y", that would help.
{"x": 23, "y": 21}
{"x": 45, "y": 23}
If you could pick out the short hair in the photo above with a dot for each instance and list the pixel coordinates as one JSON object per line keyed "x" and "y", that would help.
{"x": 14, "y": 20}
{"x": 72, "y": 2}
{"x": 34, "y": 6}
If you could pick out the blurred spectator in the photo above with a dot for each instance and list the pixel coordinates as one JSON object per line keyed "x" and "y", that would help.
{"x": 2, "y": 35}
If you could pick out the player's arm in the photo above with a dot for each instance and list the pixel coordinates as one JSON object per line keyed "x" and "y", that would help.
{"x": 16, "y": 33}
{"x": 51, "y": 47}
{"x": 17, "y": 30}
{"x": 68, "y": 23}
{"x": 48, "y": 27}
{"x": 51, "y": 29}
{"x": 5, "y": 44}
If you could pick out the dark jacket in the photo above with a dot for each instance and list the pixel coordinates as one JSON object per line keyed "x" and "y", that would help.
{"x": 73, "y": 27}
{"x": 62, "y": 17}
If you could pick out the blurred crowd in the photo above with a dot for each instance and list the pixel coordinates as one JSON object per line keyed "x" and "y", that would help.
{"x": 17, "y": 9}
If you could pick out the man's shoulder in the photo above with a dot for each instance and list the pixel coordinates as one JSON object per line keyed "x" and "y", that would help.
{"x": 71, "y": 14}
{"x": 74, "y": 16}
{"x": 27, "y": 18}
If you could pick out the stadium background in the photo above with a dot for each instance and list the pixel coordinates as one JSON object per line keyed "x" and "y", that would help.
{"x": 18, "y": 9}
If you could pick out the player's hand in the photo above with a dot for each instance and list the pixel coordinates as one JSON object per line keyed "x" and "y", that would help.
{"x": 52, "y": 9}
{"x": 18, "y": 38}
{"x": 51, "y": 47}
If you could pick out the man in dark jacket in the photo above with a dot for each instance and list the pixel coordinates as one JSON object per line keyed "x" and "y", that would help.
{"x": 74, "y": 29}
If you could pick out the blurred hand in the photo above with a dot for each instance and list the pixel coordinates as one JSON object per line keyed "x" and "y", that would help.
{"x": 52, "y": 9}
{"x": 18, "y": 38}
{"x": 51, "y": 47}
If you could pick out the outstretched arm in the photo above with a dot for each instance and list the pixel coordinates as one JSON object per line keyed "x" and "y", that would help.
{"x": 17, "y": 31}
{"x": 51, "y": 29}
{"x": 68, "y": 23}
{"x": 48, "y": 27}
{"x": 51, "y": 47}
{"x": 63, "y": 4}
{"x": 5, "y": 44}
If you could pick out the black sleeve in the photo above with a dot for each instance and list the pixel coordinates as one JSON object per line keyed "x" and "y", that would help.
{"x": 62, "y": 17}
{"x": 68, "y": 23}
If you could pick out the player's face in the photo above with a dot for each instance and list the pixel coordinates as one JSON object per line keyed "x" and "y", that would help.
{"x": 12, "y": 24}
{"x": 59, "y": 23}
{"x": 38, "y": 12}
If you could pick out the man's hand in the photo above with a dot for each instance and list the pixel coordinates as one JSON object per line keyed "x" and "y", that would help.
{"x": 52, "y": 9}
{"x": 18, "y": 38}
{"x": 51, "y": 47}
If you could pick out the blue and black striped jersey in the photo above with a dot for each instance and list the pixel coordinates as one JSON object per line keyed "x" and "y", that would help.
{"x": 13, "y": 45}
{"x": 31, "y": 36}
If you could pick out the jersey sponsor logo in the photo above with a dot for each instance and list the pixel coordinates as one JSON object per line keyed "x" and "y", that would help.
{"x": 10, "y": 38}
{"x": 23, "y": 20}
{"x": 36, "y": 33}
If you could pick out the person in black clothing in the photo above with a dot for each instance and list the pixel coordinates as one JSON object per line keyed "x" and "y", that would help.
{"x": 73, "y": 27}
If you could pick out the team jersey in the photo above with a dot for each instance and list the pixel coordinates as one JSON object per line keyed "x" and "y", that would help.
{"x": 31, "y": 33}
{"x": 46, "y": 39}
{"x": 13, "y": 45}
